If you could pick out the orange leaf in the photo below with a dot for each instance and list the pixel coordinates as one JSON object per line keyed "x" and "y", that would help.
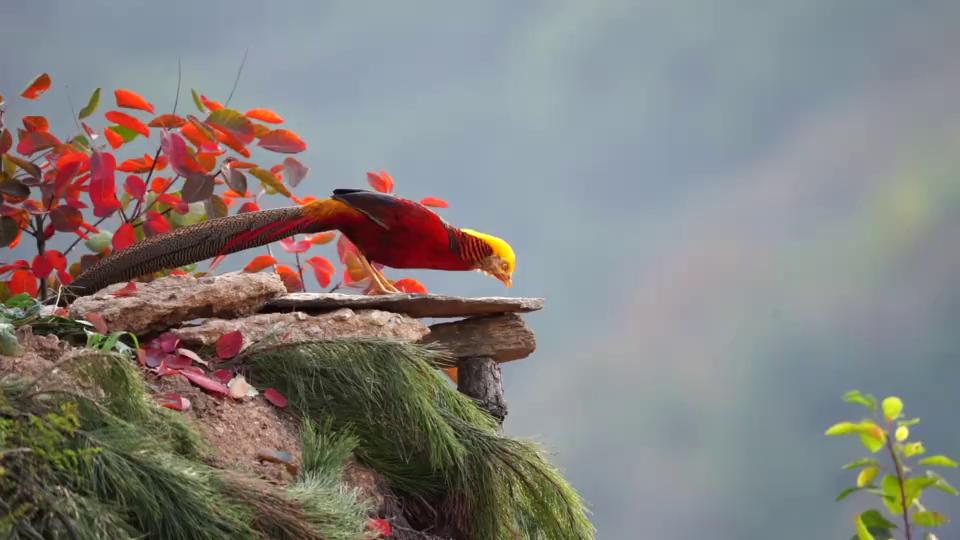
{"x": 160, "y": 184}
{"x": 212, "y": 105}
{"x": 321, "y": 264}
{"x": 265, "y": 115}
{"x": 321, "y": 238}
{"x": 237, "y": 164}
{"x": 207, "y": 161}
{"x": 128, "y": 121}
{"x": 36, "y": 123}
{"x": 381, "y": 181}
{"x": 130, "y": 100}
{"x": 433, "y": 201}
{"x": 259, "y": 263}
{"x": 410, "y": 285}
{"x": 38, "y": 86}
{"x": 169, "y": 121}
{"x": 124, "y": 237}
{"x": 290, "y": 278}
{"x": 452, "y": 373}
{"x": 193, "y": 134}
{"x": 283, "y": 141}
{"x": 114, "y": 138}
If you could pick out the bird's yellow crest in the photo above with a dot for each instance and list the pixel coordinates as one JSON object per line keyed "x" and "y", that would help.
{"x": 505, "y": 260}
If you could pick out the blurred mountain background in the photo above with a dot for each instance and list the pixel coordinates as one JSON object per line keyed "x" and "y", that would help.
{"x": 736, "y": 211}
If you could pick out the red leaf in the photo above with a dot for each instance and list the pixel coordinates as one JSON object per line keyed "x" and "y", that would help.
{"x": 175, "y": 150}
{"x": 35, "y": 123}
{"x": 291, "y": 246}
{"x": 222, "y": 375}
{"x": 128, "y": 121}
{"x": 291, "y": 280}
{"x": 103, "y": 192}
{"x": 248, "y": 207}
{"x": 282, "y": 140}
{"x": 124, "y": 237}
{"x": 172, "y": 400}
{"x": 322, "y": 270}
{"x": 410, "y": 285}
{"x": 135, "y": 187}
{"x": 433, "y": 201}
{"x": 66, "y": 218}
{"x": 98, "y": 323}
{"x": 178, "y": 361}
{"x": 275, "y": 397}
{"x": 265, "y": 115}
{"x": 129, "y": 289}
{"x": 381, "y": 181}
{"x": 380, "y": 526}
{"x": 259, "y": 263}
{"x": 41, "y": 266}
{"x": 23, "y": 281}
{"x": 38, "y": 86}
{"x": 6, "y": 141}
{"x": 167, "y": 341}
{"x": 36, "y": 141}
{"x": 206, "y": 383}
{"x": 130, "y": 100}
{"x": 157, "y": 223}
{"x": 229, "y": 344}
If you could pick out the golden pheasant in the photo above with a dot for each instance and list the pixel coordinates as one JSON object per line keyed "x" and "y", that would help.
{"x": 389, "y": 230}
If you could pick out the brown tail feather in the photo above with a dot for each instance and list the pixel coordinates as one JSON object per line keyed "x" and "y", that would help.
{"x": 189, "y": 245}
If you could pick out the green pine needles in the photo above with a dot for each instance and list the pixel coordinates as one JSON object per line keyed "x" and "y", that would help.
{"x": 120, "y": 467}
{"x": 105, "y": 461}
{"x": 440, "y": 452}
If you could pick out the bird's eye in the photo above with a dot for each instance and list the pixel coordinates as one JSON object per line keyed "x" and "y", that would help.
{"x": 503, "y": 265}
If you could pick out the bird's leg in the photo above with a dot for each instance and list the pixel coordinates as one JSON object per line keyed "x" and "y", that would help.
{"x": 381, "y": 285}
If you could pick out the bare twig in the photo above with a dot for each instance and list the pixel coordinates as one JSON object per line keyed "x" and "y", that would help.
{"x": 903, "y": 492}
{"x": 237, "y": 80}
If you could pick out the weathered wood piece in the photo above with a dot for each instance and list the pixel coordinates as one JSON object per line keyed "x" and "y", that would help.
{"x": 414, "y": 305}
{"x": 479, "y": 345}
{"x": 480, "y": 379}
{"x": 503, "y": 338}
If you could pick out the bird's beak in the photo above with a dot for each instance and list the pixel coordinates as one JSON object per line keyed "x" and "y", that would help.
{"x": 506, "y": 279}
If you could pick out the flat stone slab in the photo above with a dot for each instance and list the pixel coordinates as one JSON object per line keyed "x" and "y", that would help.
{"x": 413, "y": 305}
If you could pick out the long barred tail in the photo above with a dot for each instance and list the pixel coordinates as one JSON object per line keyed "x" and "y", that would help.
{"x": 187, "y": 245}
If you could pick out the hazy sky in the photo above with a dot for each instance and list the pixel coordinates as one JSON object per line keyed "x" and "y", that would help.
{"x": 736, "y": 211}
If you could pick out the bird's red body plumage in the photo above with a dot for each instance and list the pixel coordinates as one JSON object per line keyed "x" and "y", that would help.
{"x": 397, "y": 232}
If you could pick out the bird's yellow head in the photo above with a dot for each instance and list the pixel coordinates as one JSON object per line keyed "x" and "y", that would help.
{"x": 499, "y": 265}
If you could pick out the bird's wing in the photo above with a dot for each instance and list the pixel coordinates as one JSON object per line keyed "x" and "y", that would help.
{"x": 383, "y": 209}
{"x": 391, "y": 212}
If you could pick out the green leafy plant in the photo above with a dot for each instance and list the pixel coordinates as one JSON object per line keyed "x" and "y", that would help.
{"x": 900, "y": 486}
